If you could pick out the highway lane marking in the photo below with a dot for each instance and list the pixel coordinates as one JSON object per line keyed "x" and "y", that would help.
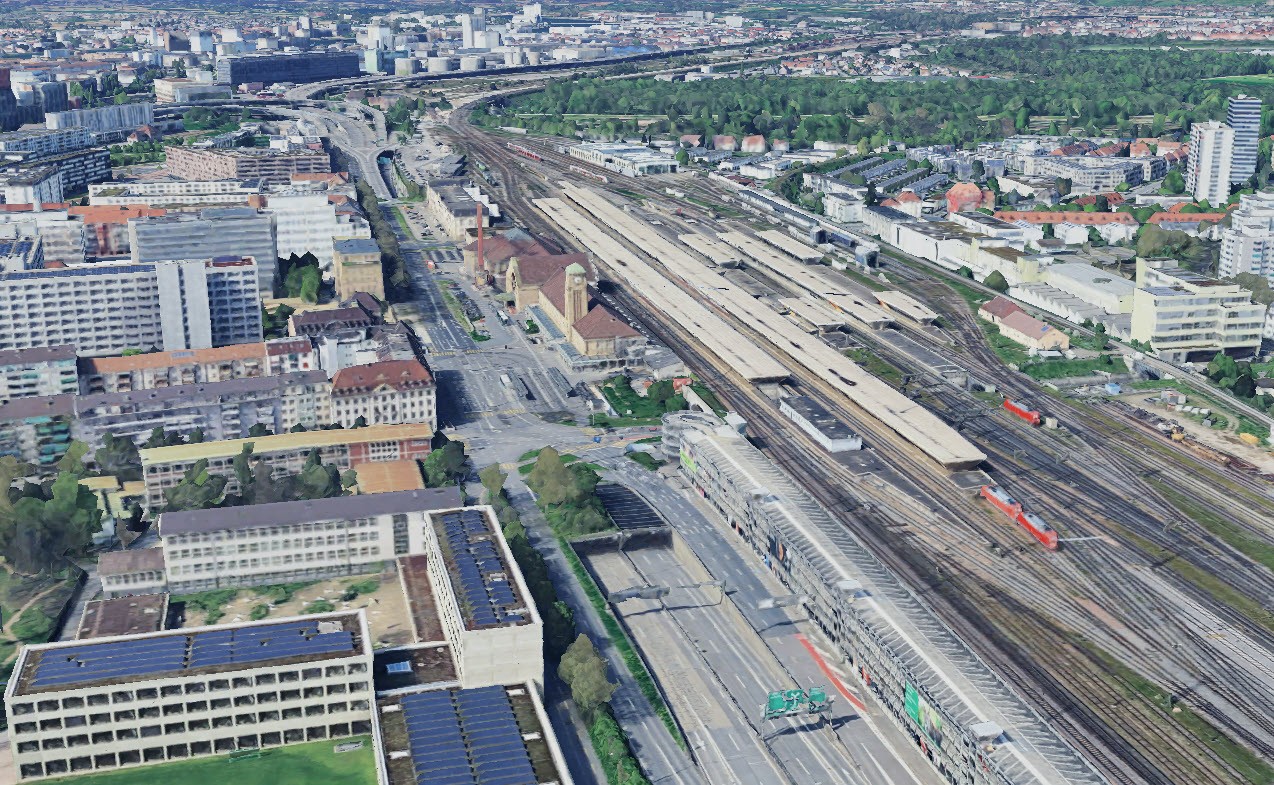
{"x": 827, "y": 671}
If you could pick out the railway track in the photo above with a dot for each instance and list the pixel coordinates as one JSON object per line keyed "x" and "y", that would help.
{"x": 1036, "y": 649}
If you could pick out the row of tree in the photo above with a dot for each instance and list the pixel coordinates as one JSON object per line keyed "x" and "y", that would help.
{"x": 568, "y": 494}
{"x": 43, "y": 525}
{"x": 259, "y": 483}
{"x": 298, "y": 276}
{"x": 394, "y": 264}
{"x": 1239, "y": 378}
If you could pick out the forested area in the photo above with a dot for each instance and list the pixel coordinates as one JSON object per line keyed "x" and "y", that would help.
{"x": 1078, "y": 86}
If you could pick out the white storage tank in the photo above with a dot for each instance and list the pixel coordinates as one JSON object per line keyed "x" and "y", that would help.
{"x": 532, "y": 58}
{"x": 440, "y": 65}
{"x": 472, "y": 63}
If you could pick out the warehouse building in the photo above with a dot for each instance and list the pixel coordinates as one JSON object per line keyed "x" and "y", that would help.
{"x": 110, "y": 703}
{"x": 629, "y": 160}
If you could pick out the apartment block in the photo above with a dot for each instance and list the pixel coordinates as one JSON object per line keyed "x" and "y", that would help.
{"x": 275, "y": 166}
{"x": 178, "y": 192}
{"x": 37, "y": 429}
{"x": 213, "y": 231}
{"x": 22, "y": 252}
{"x": 25, "y": 373}
{"x": 1247, "y": 245}
{"x": 32, "y": 185}
{"x": 61, "y": 233}
{"x": 385, "y": 393}
{"x": 1210, "y": 162}
{"x": 1185, "y": 316}
{"x": 286, "y": 542}
{"x": 105, "y": 704}
{"x": 310, "y": 223}
{"x": 357, "y": 268}
{"x": 45, "y": 143}
{"x": 164, "y": 467}
{"x": 222, "y": 410}
{"x": 113, "y": 121}
{"x": 204, "y": 304}
{"x": 1243, "y": 114}
{"x": 180, "y": 91}
{"x": 198, "y": 366}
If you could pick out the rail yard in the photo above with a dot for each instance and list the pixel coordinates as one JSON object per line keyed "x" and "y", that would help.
{"x": 1110, "y": 605}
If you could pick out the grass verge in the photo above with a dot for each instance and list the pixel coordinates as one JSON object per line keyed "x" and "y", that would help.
{"x": 619, "y": 636}
{"x": 1254, "y": 548}
{"x": 875, "y": 365}
{"x": 645, "y": 459}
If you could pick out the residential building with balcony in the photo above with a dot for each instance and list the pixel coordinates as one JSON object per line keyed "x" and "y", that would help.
{"x": 1185, "y": 316}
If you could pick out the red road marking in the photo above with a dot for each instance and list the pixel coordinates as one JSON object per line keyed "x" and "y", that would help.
{"x": 827, "y": 671}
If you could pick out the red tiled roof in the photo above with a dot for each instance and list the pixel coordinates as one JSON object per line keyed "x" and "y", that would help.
{"x": 1184, "y": 218}
{"x": 538, "y": 270}
{"x": 554, "y": 290}
{"x": 601, "y": 323}
{"x": 1025, "y": 323}
{"x": 1000, "y": 307}
{"x": 398, "y": 374}
{"x": 116, "y": 213}
{"x": 137, "y": 362}
{"x": 1063, "y": 217}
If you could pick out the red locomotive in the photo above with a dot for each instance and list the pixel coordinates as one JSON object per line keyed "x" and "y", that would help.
{"x": 1033, "y": 523}
{"x": 1033, "y": 417}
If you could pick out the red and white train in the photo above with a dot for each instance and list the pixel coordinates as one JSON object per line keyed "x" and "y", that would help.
{"x": 524, "y": 152}
{"x": 1027, "y": 520}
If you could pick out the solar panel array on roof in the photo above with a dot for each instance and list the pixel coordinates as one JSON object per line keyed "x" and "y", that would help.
{"x": 466, "y": 737}
{"x": 154, "y": 656}
{"x": 484, "y": 586}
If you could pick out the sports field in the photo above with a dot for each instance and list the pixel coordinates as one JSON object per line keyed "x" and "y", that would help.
{"x": 295, "y": 764}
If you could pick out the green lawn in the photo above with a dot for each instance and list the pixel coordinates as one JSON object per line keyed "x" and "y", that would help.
{"x": 295, "y": 764}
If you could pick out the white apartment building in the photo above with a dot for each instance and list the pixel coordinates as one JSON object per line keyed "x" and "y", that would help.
{"x": 117, "y": 119}
{"x": 33, "y": 372}
{"x": 183, "y": 192}
{"x": 1186, "y": 316}
{"x": 1243, "y": 114}
{"x": 1210, "y": 162}
{"x": 308, "y": 223}
{"x": 105, "y": 309}
{"x": 110, "y": 703}
{"x": 385, "y": 393}
{"x": 32, "y": 185}
{"x": 198, "y": 366}
{"x": 263, "y": 544}
{"x": 61, "y": 234}
{"x": 1247, "y": 246}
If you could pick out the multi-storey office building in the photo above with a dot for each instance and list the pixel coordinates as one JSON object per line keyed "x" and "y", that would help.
{"x": 110, "y": 703}
{"x": 1243, "y": 114}
{"x": 33, "y": 372}
{"x": 164, "y": 467}
{"x": 290, "y": 67}
{"x": 263, "y": 544}
{"x": 1185, "y": 316}
{"x": 215, "y": 232}
{"x": 106, "y": 309}
{"x": 198, "y": 366}
{"x": 1210, "y": 162}
{"x": 110, "y": 122}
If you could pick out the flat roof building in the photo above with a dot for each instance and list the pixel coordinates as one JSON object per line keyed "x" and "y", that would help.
{"x": 118, "y": 702}
{"x": 1184, "y": 316}
{"x": 163, "y": 467}
{"x": 357, "y": 268}
{"x": 629, "y": 160}
{"x": 275, "y": 166}
{"x": 300, "y": 67}
{"x": 46, "y": 370}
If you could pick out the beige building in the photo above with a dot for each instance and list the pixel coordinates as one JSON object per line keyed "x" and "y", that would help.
{"x": 154, "y": 370}
{"x": 285, "y": 542}
{"x": 385, "y": 393}
{"x": 357, "y": 268}
{"x": 1186, "y": 316}
{"x": 111, "y": 703}
{"x": 1020, "y": 327}
{"x": 453, "y": 203}
{"x": 164, "y": 467}
{"x": 274, "y": 166}
{"x": 566, "y": 300}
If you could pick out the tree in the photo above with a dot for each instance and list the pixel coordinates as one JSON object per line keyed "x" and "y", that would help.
{"x": 1174, "y": 183}
{"x": 46, "y": 524}
{"x": 492, "y": 479}
{"x": 1244, "y": 385}
{"x": 198, "y": 490}
{"x": 996, "y": 281}
{"x": 72, "y": 461}
{"x": 584, "y": 671}
{"x": 443, "y": 466}
{"x": 258, "y": 430}
{"x": 549, "y": 478}
{"x": 119, "y": 458}
{"x": 965, "y": 271}
{"x": 1063, "y": 185}
{"x": 359, "y": 422}
{"x": 683, "y": 158}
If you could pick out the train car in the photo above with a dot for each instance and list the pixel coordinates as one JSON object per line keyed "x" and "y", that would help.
{"x": 1011, "y": 507}
{"x": 1033, "y": 417}
{"x": 1001, "y": 500}
{"x": 1038, "y": 529}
